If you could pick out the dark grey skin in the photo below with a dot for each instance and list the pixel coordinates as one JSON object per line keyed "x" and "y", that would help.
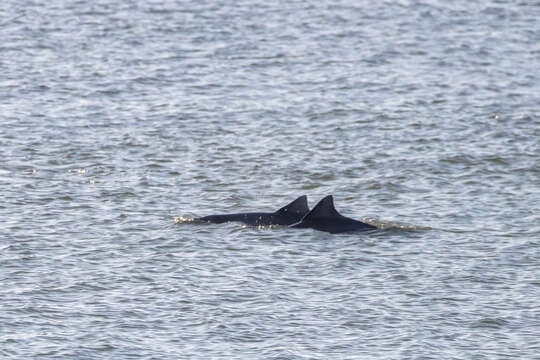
{"x": 287, "y": 215}
{"x": 324, "y": 217}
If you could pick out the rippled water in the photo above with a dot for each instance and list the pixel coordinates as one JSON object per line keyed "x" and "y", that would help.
{"x": 118, "y": 117}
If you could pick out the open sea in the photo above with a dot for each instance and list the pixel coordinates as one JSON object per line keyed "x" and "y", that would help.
{"x": 122, "y": 120}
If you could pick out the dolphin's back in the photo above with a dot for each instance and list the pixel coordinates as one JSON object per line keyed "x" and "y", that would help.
{"x": 287, "y": 215}
{"x": 248, "y": 218}
{"x": 325, "y": 217}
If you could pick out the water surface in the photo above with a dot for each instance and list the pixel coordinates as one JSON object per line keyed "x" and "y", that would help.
{"x": 117, "y": 118}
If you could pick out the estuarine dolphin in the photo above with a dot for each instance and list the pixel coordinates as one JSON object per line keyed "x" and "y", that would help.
{"x": 287, "y": 215}
{"x": 324, "y": 217}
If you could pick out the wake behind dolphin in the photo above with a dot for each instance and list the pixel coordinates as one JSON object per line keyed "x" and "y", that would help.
{"x": 287, "y": 215}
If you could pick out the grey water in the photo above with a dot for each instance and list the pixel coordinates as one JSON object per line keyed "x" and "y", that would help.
{"x": 122, "y": 120}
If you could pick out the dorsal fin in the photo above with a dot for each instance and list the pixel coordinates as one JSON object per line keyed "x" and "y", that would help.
{"x": 298, "y": 206}
{"x": 324, "y": 209}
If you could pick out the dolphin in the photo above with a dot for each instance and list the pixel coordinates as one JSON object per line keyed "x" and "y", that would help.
{"x": 324, "y": 217}
{"x": 287, "y": 215}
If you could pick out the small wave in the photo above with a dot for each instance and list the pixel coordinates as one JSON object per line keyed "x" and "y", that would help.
{"x": 183, "y": 219}
{"x": 392, "y": 225}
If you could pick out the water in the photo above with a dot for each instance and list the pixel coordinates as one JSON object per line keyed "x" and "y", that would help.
{"x": 119, "y": 117}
